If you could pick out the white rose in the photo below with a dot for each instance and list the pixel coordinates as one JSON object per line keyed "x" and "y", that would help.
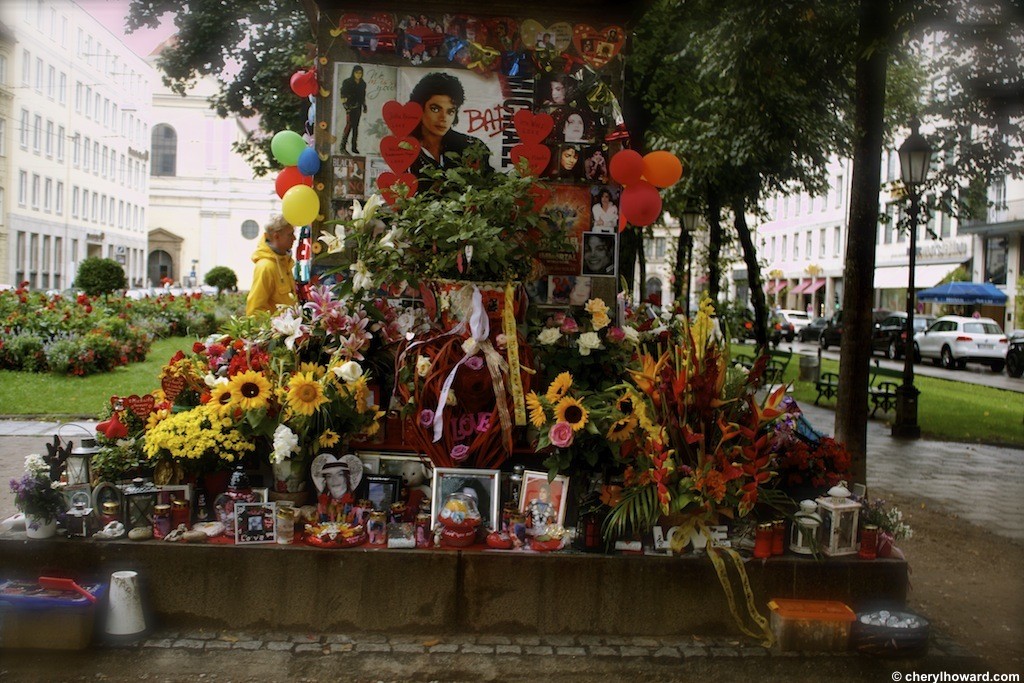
{"x": 422, "y": 366}
{"x": 587, "y": 342}
{"x": 549, "y": 336}
{"x": 349, "y": 371}
{"x": 631, "y": 334}
{"x": 285, "y": 443}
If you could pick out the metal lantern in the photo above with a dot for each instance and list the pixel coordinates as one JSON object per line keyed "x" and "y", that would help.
{"x": 78, "y": 522}
{"x": 806, "y": 529}
{"x": 79, "y": 462}
{"x": 839, "y": 519}
{"x": 140, "y": 499}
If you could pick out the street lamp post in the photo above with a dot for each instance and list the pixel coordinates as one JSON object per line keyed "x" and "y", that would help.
{"x": 688, "y": 223}
{"x": 915, "y": 156}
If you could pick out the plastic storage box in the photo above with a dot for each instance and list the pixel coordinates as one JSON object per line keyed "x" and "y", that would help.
{"x": 37, "y": 618}
{"x": 811, "y": 625}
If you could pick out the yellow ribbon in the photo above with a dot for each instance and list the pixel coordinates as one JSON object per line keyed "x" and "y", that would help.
{"x": 496, "y": 365}
{"x": 766, "y": 636}
{"x": 511, "y": 339}
{"x": 482, "y": 56}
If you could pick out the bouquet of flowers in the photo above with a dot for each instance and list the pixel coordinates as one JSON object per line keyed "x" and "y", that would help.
{"x": 802, "y": 460}
{"x": 35, "y": 493}
{"x": 888, "y": 519}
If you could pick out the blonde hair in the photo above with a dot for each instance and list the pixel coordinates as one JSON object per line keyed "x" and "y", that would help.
{"x": 277, "y": 224}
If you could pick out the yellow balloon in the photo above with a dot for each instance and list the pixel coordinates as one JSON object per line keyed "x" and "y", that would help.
{"x": 300, "y": 205}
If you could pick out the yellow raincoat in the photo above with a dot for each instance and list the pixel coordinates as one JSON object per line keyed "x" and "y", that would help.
{"x": 273, "y": 283}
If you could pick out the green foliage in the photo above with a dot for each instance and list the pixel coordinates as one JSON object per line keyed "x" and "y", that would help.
{"x": 100, "y": 276}
{"x": 221, "y": 277}
{"x": 252, "y": 48}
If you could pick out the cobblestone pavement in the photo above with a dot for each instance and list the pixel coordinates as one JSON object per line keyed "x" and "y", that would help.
{"x": 274, "y": 655}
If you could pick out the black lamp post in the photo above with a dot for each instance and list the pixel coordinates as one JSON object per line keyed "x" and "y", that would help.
{"x": 915, "y": 156}
{"x": 688, "y": 223}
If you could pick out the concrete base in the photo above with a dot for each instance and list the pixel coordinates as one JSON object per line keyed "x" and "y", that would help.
{"x": 446, "y": 591}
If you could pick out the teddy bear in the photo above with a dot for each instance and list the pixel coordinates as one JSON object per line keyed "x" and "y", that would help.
{"x": 415, "y": 486}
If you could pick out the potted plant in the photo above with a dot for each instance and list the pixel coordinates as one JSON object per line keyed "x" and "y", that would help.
{"x": 39, "y": 497}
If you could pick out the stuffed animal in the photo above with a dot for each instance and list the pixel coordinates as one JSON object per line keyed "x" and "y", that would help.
{"x": 415, "y": 487}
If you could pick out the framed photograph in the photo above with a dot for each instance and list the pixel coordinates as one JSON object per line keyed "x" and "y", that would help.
{"x": 543, "y": 502}
{"x": 167, "y": 493}
{"x": 483, "y": 485}
{"x": 349, "y": 177}
{"x": 255, "y": 523}
{"x": 380, "y": 489}
{"x": 107, "y": 492}
{"x": 604, "y": 212}
{"x": 599, "y": 253}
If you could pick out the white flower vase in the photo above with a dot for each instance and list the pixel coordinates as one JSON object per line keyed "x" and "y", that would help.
{"x": 290, "y": 476}
{"x": 37, "y": 527}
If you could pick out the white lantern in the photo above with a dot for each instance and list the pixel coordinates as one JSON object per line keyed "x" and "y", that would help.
{"x": 839, "y": 517}
{"x": 804, "y": 534}
{"x": 78, "y": 462}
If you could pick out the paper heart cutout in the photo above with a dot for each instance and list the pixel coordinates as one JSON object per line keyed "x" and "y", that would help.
{"x": 399, "y": 153}
{"x": 387, "y": 179}
{"x": 172, "y": 386}
{"x": 598, "y": 47}
{"x": 326, "y": 464}
{"x": 533, "y": 128}
{"x": 559, "y": 35}
{"x": 140, "y": 405}
{"x": 536, "y": 155}
{"x": 402, "y": 119}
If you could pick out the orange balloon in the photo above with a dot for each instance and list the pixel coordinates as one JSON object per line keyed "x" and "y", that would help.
{"x": 662, "y": 169}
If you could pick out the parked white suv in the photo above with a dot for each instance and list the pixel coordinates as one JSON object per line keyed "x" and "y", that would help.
{"x": 954, "y": 341}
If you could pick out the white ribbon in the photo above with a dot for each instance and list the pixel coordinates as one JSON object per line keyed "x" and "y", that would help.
{"x": 479, "y": 329}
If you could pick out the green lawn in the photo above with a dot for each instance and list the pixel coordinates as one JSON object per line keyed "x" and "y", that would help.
{"x": 29, "y": 393}
{"x": 947, "y": 410}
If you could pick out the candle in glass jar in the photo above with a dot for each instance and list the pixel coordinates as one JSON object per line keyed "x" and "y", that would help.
{"x": 161, "y": 520}
{"x": 763, "y": 541}
{"x": 111, "y": 512}
{"x": 868, "y": 542}
{"x": 778, "y": 536}
{"x": 179, "y": 513}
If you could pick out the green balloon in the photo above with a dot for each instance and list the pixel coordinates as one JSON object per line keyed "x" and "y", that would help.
{"x": 286, "y": 147}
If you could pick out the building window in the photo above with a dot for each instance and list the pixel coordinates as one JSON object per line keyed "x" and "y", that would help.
{"x": 809, "y": 250}
{"x": 62, "y": 88}
{"x": 60, "y": 143}
{"x": 3, "y": 69}
{"x": 250, "y": 229}
{"x": 22, "y": 188}
{"x": 51, "y": 82}
{"x": 36, "y": 181}
{"x": 86, "y": 153}
{"x": 771, "y": 257}
{"x": 95, "y": 157}
{"x": 76, "y": 149}
{"x": 839, "y": 191}
{"x": 3, "y": 137}
{"x": 796, "y": 247}
{"x": 782, "y": 254}
{"x": 39, "y": 75}
{"x": 995, "y": 260}
{"x": 58, "y": 204}
{"x": 49, "y": 138}
{"x": 821, "y": 243}
{"x": 23, "y": 133}
{"x": 74, "y": 201}
{"x": 37, "y": 133}
{"x": 26, "y": 67}
{"x": 165, "y": 151}
{"x": 48, "y": 195}
{"x": 796, "y": 211}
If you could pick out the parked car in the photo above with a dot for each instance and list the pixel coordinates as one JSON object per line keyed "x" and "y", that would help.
{"x": 812, "y": 331}
{"x": 833, "y": 332}
{"x": 890, "y": 335}
{"x": 775, "y": 328}
{"x": 954, "y": 341}
{"x": 1015, "y": 355}
{"x": 796, "y": 320}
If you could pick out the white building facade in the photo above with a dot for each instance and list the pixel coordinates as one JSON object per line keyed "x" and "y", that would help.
{"x": 77, "y": 146}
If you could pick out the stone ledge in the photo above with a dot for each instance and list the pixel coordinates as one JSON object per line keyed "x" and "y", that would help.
{"x": 446, "y": 591}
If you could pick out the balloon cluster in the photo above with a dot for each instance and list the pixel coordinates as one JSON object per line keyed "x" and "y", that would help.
{"x": 300, "y": 204}
{"x": 641, "y": 176}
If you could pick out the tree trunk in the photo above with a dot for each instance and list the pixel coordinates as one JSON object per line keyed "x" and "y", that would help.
{"x": 858, "y": 271}
{"x": 641, "y": 258}
{"x": 681, "y": 246}
{"x": 628, "y": 245}
{"x": 714, "y": 244}
{"x": 739, "y": 206}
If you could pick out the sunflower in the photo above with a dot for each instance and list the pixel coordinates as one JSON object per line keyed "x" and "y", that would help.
{"x": 250, "y": 390}
{"x": 570, "y": 410}
{"x": 537, "y": 416}
{"x": 305, "y": 395}
{"x": 318, "y": 371}
{"x": 328, "y": 438}
{"x": 220, "y": 399}
{"x": 622, "y": 429}
{"x": 625, "y": 404}
{"x": 558, "y": 387}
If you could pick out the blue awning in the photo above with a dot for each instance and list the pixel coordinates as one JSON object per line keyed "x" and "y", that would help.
{"x": 963, "y": 293}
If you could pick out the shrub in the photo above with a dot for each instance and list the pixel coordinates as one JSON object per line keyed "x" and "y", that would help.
{"x": 221, "y": 277}
{"x": 23, "y": 351}
{"x": 98, "y": 276}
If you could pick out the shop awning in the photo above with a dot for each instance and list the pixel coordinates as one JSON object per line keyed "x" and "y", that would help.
{"x": 800, "y": 288}
{"x": 774, "y": 287}
{"x": 964, "y": 293}
{"x": 896, "y": 277}
{"x": 814, "y": 286}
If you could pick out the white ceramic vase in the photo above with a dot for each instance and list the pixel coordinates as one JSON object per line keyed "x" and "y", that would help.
{"x": 37, "y": 527}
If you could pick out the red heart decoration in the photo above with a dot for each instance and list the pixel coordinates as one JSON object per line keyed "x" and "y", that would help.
{"x": 537, "y": 156}
{"x": 304, "y": 83}
{"x": 399, "y": 152}
{"x": 598, "y": 47}
{"x": 387, "y": 179}
{"x": 172, "y": 386}
{"x": 402, "y": 119}
{"x": 140, "y": 405}
{"x": 113, "y": 428}
{"x": 533, "y": 128}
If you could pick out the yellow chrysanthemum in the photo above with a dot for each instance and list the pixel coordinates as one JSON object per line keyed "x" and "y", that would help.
{"x": 568, "y": 409}
{"x": 250, "y": 390}
{"x": 558, "y": 387}
{"x": 622, "y": 429}
{"x": 318, "y": 371}
{"x": 220, "y": 399}
{"x": 537, "y": 416}
{"x": 156, "y": 417}
{"x": 328, "y": 438}
{"x": 305, "y": 395}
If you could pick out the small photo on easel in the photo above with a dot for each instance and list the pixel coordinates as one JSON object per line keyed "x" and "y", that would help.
{"x": 255, "y": 523}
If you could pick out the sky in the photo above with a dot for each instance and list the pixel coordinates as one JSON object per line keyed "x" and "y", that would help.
{"x": 112, "y": 13}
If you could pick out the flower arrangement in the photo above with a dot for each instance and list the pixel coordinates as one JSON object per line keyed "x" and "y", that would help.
{"x": 35, "y": 493}
{"x": 199, "y": 439}
{"x": 470, "y": 223}
{"x": 585, "y": 344}
{"x": 888, "y": 518}
{"x": 818, "y": 462}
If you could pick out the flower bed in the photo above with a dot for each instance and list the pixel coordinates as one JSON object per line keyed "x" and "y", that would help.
{"x": 87, "y": 335}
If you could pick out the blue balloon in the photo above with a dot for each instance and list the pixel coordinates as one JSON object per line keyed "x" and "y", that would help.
{"x": 309, "y": 162}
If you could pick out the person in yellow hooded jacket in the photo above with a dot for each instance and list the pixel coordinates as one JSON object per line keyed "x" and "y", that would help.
{"x": 273, "y": 282}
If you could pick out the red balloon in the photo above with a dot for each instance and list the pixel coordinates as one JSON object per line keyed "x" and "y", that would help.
{"x": 304, "y": 83}
{"x": 640, "y": 203}
{"x": 662, "y": 169}
{"x": 627, "y": 166}
{"x": 288, "y": 178}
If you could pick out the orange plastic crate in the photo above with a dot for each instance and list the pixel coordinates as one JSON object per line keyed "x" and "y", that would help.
{"x": 811, "y": 625}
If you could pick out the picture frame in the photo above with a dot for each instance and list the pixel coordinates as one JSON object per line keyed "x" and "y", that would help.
{"x": 255, "y": 523}
{"x": 106, "y": 492}
{"x": 484, "y": 484}
{"x": 167, "y": 493}
{"x": 532, "y": 503}
{"x": 380, "y": 489}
